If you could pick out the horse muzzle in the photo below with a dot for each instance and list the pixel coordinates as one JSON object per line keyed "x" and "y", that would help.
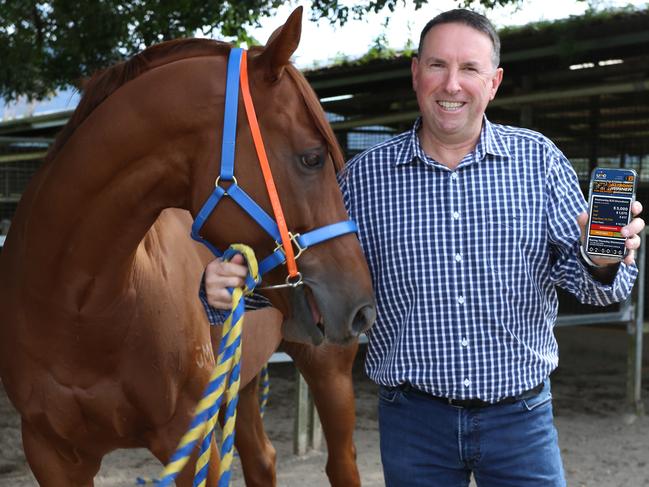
{"x": 317, "y": 313}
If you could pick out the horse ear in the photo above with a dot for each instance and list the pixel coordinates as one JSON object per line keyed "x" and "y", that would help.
{"x": 281, "y": 45}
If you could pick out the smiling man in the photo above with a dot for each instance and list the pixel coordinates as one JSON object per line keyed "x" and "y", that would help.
{"x": 485, "y": 221}
{"x": 468, "y": 227}
{"x": 455, "y": 76}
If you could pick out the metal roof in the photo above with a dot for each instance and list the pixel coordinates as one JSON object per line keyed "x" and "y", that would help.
{"x": 591, "y": 66}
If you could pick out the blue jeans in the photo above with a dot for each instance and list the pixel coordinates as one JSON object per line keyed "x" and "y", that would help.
{"x": 426, "y": 443}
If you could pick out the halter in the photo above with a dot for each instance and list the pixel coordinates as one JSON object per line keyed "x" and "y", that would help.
{"x": 284, "y": 252}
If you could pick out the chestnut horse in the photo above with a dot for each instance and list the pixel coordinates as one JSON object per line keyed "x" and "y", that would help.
{"x": 103, "y": 343}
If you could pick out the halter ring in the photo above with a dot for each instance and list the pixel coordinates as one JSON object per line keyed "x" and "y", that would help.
{"x": 218, "y": 180}
{"x": 288, "y": 284}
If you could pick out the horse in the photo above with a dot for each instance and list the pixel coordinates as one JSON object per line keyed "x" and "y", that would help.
{"x": 103, "y": 342}
{"x": 327, "y": 369}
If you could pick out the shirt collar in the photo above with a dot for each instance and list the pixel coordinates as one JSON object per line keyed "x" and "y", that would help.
{"x": 490, "y": 142}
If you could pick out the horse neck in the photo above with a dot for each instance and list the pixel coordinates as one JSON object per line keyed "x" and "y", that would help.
{"x": 123, "y": 165}
{"x": 89, "y": 216}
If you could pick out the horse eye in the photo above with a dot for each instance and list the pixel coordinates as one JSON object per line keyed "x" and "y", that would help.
{"x": 311, "y": 159}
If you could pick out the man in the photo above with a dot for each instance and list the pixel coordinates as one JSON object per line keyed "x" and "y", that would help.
{"x": 467, "y": 227}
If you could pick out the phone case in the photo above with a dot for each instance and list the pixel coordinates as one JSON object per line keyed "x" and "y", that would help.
{"x": 611, "y": 193}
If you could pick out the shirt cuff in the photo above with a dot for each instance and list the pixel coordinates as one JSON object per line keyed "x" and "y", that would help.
{"x": 601, "y": 294}
{"x": 218, "y": 316}
{"x": 214, "y": 316}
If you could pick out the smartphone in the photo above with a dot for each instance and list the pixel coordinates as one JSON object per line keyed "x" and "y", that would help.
{"x": 611, "y": 193}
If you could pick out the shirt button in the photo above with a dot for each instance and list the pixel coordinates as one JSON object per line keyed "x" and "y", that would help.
{"x": 460, "y": 300}
{"x": 458, "y": 257}
{"x": 454, "y": 176}
{"x": 456, "y": 214}
{"x": 464, "y": 342}
{"x": 467, "y": 382}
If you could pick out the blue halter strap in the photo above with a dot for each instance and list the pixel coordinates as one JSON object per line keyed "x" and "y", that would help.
{"x": 238, "y": 195}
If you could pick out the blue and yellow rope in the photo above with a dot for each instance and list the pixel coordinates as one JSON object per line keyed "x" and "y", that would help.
{"x": 225, "y": 380}
{"x": 265, "y": 389}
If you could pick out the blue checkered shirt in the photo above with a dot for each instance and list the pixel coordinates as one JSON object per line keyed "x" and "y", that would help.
{"x": 465, "y": 262}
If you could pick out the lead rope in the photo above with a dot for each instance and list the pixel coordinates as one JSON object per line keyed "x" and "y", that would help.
{"x": 224, "y": 379}
{"x": 265, "y": 390}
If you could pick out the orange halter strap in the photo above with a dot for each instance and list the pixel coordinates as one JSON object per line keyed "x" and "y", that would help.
{"x": 291, "y": 265}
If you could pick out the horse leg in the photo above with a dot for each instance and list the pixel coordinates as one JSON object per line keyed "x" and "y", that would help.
{"x": 256, "y": 452}
{"x": 327, "y": 370}
{"x": 165, "y": 441}
{"x": 57, "y": 464}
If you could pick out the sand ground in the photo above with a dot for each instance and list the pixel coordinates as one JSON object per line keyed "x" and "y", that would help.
{"x": 602, "y": 444}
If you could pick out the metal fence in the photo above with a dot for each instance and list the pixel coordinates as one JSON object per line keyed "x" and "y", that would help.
{"x": 14, "y": 176}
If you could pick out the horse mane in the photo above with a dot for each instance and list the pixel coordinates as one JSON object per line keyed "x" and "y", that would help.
{"x": 318, "y": 114}
{"x": 105, "y": 82}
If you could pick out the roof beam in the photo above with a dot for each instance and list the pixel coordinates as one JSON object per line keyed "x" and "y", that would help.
{"x": 17, "y": 139}
{"x": 24, "y": 156}
{"x": 341, "y": 80}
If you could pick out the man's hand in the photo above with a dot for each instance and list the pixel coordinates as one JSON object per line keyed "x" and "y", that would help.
{"x": 630, "y": 231}
{"x": 219, "y": 276}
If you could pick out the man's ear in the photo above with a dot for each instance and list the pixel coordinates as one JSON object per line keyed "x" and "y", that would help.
{"x": 414, "y": 64}
{"x": 281, "y": 45}
{"x": 495, "y": 82}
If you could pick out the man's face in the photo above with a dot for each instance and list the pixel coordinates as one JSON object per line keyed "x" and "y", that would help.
{"x": 454, "y": 79}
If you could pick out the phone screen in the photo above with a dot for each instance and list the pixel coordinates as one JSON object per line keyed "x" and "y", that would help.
{"x": 611, "y": 193}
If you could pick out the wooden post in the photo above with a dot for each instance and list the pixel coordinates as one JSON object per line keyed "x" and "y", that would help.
{"x": 635, "y": 334}
{"x": 307, "y": 429}
{"x": 301, "y": 426}
{"x": 315, "y": 429}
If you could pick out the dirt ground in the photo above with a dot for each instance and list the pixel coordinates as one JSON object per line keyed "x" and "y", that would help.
{"x": 602, "y": 445}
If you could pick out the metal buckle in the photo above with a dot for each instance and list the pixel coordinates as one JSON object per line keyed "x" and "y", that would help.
{"x": 296, "y": 280}
{"x": 296, "y": 245}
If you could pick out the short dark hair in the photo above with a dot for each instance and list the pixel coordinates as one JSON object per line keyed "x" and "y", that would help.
{"x": 467, "y": 17}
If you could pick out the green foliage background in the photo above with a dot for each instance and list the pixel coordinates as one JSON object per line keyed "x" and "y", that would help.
{"x": 45, "y": 45}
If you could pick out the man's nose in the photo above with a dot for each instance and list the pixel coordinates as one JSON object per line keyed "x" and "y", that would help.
{"x": 452, "y": 84}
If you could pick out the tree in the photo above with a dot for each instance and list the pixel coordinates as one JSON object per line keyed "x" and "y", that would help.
{"x": 46, "y": 45}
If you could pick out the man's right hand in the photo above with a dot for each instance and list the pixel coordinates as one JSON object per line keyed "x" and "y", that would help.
{"x": 219, "y": 276}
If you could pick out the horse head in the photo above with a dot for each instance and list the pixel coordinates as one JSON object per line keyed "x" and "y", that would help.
{"x": 336, "y": 300}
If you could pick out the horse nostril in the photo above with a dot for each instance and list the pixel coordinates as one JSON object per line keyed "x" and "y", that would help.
{"x": 363, "y": 319}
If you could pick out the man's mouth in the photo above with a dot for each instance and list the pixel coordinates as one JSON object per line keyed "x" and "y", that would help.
{"x": 451, "y": 106}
